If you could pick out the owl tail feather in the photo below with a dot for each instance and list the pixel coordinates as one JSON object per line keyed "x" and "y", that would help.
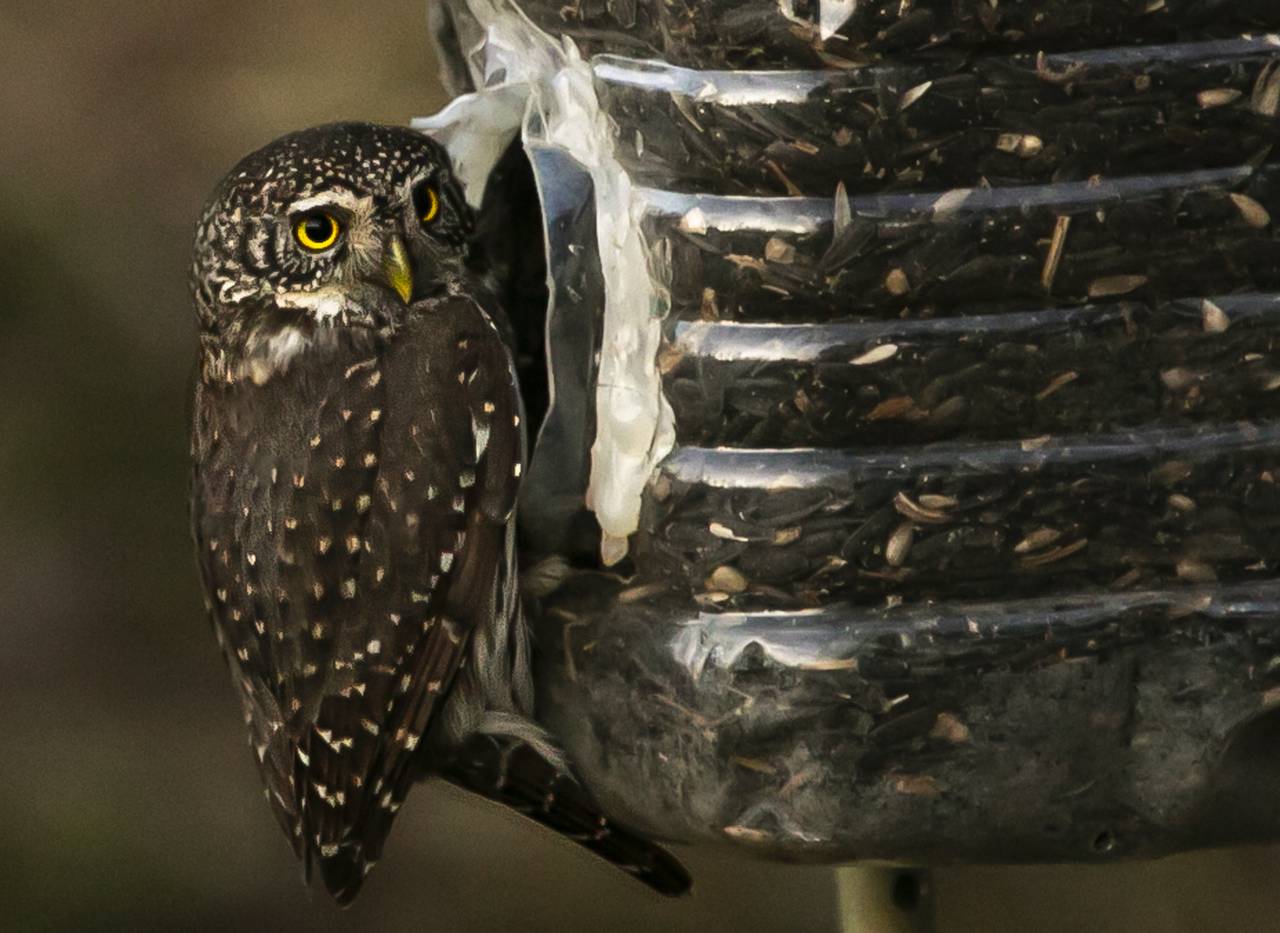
{"x": 508, "y": 770}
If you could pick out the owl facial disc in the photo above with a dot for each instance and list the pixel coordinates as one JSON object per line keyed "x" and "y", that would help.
{"x": 340, "y": 226}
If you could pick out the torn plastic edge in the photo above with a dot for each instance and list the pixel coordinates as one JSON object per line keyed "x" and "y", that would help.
{"x": 476, "y": 129}
{"x": 526, "y": 68}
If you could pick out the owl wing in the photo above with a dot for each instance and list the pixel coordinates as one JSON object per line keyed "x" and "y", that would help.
{"x": 352, "y": 520}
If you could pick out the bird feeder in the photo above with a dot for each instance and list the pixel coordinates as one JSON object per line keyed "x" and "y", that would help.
{"x": 909, "y": 485}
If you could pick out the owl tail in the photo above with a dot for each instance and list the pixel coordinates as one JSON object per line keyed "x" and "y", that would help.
{"x": 510, "y": 771}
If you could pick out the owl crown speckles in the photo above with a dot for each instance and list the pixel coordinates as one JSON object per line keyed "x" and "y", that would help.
{"x": 251, "y": 272}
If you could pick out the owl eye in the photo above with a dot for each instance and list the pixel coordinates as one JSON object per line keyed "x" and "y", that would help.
{"x": 317, "y": 232}
{"x": 427, "y": 202}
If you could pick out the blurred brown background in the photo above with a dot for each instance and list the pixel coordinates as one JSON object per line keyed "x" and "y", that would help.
{"x": 128, "y": 800}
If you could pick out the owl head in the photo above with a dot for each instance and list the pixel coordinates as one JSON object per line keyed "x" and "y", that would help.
{"x": 330, "y": 231}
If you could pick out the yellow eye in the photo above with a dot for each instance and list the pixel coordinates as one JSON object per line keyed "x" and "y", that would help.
{"x": 317, "y": 232}
{"x": 428, "y": 204}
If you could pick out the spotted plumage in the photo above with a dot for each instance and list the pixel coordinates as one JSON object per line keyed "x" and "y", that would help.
{"x": 357, "y": 447}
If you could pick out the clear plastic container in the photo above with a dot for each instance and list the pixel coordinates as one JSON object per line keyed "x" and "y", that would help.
{"x": 908, "y": 488}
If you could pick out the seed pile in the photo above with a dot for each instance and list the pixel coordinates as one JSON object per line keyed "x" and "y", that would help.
{"x": 1093, "y": 369}
{"x": 964, "y": 521}
{"x": 977, "y": 250}
{"x": 1095, "y": 318}
{"x": 968, "y": 543}
{"x": 786, "y": 33}
{"x": 996, "y": 730}
{"x": 1000, "y": 320}
{"x": 1020, "y": 119}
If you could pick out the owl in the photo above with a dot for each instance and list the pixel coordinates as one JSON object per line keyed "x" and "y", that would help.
{"x": 357, "y": 449}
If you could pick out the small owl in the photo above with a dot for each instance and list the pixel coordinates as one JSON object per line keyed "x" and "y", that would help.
{"x": 357, "y": 447}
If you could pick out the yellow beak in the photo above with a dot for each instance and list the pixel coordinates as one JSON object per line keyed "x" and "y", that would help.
{"x": 395, "y": 266}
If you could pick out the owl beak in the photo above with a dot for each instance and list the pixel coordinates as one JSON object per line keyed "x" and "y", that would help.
{"x": 395, "y": 266}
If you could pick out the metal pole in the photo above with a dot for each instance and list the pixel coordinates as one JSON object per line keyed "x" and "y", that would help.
{"x": 884, "y": 900}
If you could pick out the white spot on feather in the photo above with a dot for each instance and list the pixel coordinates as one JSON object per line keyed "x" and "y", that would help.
{"x": 325, "y": 305}
{"x": 481, "y": 432}
{"x": 284, "y": 345}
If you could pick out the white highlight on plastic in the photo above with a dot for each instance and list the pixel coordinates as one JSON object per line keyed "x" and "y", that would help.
{"x": 726, "y": 88}
{"x": 832, "y": 14}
